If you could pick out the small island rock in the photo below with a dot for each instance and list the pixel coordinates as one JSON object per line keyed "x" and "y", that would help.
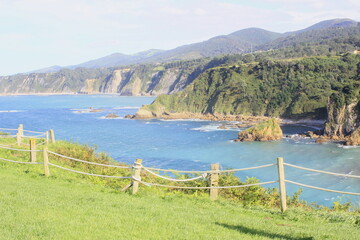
{"x": 265, "y": 131}
{"x": 111, "y": 115}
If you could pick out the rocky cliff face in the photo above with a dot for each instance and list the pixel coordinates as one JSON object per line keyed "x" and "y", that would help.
{"x": 299, "y": 90}
{"x": 148, "y": 79}
{"x": 343, "y": 121}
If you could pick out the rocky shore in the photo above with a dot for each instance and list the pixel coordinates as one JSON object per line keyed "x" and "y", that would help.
{"x": 342, "y": 124}
{"x": 211, "y": 117}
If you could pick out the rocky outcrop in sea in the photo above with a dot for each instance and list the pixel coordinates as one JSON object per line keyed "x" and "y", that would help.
{"x": 265, "y": 131}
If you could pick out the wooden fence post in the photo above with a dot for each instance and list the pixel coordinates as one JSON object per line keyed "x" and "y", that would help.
{"x": 21, "y": 130}
{"x": 32, "y": 149}
{"x": 280, "y": 164}
{"x": 52, "y": 136}
{"x": 46, "y": 162}
{"x": 136, "y": 175}
{"x": 47, "y": 137}
{"x": 214, "y": 181}
{"x": 18, "y": 139}
{"x": 19, "y": 134}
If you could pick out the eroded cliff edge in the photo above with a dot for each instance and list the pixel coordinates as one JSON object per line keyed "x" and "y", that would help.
{"x": 343, "y": 122}
{"x": 310, "y": 88}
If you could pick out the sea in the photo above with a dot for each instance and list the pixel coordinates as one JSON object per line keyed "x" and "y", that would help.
{"x": 189, "y": 144}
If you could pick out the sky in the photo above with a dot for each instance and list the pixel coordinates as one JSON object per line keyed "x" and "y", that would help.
{"x": 35, "y": 34}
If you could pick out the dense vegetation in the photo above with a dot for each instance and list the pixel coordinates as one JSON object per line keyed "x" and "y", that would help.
{"x": 291, "y": 88}
{"x": 321, "y": 42}
{"x": 70, "y": 206}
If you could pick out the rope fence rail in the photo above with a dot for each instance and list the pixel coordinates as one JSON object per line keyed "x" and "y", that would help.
{"x": 322, "y": 189}
{"x": 90, "y": 174}
{"x": 202, "y": 172}
{"x": 8, "y": 160}
{"x": 220, "y": 187}
{"x": 17, "y": 149}
{"x": 83, "y": 161}
{"x": 320, "y": 171}
{"x": 137, "y": 169}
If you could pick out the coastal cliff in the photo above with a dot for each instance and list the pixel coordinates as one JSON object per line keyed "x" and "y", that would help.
{"x": 296, "y": 89}
{"x": 343, "y": 122}
{"x": 136, "y": 80}
{"x": 312, "y": 88}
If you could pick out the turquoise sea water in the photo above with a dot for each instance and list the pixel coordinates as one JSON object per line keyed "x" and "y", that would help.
{"x": 182, "y": 144}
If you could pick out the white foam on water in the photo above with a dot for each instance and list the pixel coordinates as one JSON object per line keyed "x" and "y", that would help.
{"x": 153, "y": 123}
{"x": 213, "y": 128}
{"x": 311, "y": 174}
{"x": 11, "y": 111}
{"x": 347, "y": 147}
{"x": 127, "y": 107}
{"x": 87, "y": 110}
{"x": 184, "y": 120}
{"x": 104, "y": 117}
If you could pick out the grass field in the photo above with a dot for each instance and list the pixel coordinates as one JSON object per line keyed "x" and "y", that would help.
{"x": 65, "y": 206}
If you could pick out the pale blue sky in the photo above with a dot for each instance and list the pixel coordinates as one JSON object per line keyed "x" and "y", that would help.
{"x": 40, "y": 33}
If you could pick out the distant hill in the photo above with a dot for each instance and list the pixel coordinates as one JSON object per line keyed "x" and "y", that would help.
{"x": 47, "y": 70}
{"x": 117, "y": 59}
{"x": 237, "y": 42}
{"x": 242, "y": 41}
{"x": 319, "y": 42}
{"x": 338, "y": 22}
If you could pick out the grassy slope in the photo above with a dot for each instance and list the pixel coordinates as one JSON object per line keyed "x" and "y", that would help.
{"x": 35, "y": 207}
{"x": 65, "y": 206}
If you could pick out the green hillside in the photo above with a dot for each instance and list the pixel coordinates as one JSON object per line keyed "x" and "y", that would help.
{"x": 278, "y": 88}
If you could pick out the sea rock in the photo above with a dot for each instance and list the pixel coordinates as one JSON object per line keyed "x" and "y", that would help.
{"x": 354, "y": 138}
{"x": 343, "y": 123}
{"x": 111, "y": 115}
{"x": 265, "y": 131}
{"x": 322, "y": 140}
{"x": 93, "y": 110}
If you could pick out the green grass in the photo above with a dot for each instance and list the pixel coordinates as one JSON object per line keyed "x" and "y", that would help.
{"x": 36, "y": 207}
{"x": 70, "y": 206}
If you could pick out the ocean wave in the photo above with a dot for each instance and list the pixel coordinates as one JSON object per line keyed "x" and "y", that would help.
{"x": 184, "y": 120}
{"x": 11, "y": 111}
{"x": 212, "y": 128}
{"x": 87, "y": 110}
{"x": 347, "y": 147}
{"x": 311, "y": 174}
{"x": 127, "y": 107}
{"x": 104, "y": 117}
{"x": 155, "y": 123}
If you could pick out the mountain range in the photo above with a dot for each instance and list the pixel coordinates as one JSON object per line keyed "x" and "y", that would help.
{"x": 157, "y": 72}
{"x": 242, "y": 41}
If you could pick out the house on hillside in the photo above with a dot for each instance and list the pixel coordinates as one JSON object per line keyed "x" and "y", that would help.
{"x": 356, "y": 52}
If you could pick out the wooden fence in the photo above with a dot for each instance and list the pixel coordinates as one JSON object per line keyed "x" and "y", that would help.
{"x": 212, "y": 175}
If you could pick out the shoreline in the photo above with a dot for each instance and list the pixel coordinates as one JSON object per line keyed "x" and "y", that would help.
{"x": 200, "y": 116}
{"x": 316, "y": 123}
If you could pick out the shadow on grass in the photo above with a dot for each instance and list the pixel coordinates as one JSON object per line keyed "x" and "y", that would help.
{"x": 257, "y": 232}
